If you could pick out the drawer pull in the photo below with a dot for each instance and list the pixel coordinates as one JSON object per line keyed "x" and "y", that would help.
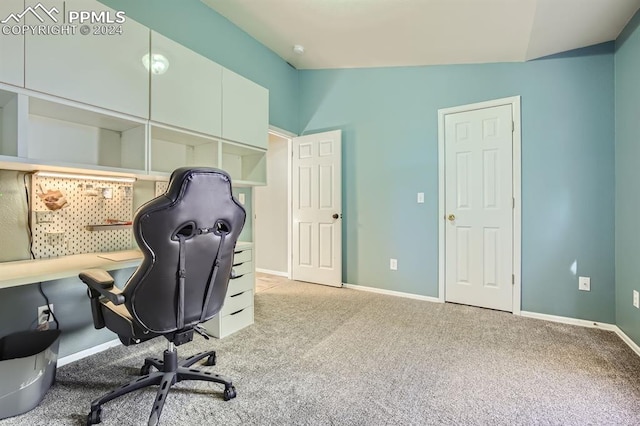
{"x": 236, "y": 295}
{"x": 236, "y": 312}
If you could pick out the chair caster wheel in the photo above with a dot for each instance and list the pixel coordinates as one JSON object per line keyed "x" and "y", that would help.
{"x": 229, "y": 393}
{"x": 211, "y": 360}
{"x": 94, "y": 417}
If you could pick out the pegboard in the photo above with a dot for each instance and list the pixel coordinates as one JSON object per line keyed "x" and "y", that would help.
{"x": 64, "y": 232}
{"x": 161, "y": 187}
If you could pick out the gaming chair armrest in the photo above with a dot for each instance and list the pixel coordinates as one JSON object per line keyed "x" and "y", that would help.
{"x": 101, "y": 282}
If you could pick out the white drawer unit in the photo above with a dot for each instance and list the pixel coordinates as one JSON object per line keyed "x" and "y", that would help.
{"x": 237, "y": 312}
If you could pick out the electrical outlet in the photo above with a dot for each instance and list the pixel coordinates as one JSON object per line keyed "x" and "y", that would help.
{"x": 241, "y": 198}
{"x": 43, "y": 316}
{"x": 420, "y": 197}
{"x": 636, "y": 299}
{"x": 584, "y": 283}
{"x": 393, "y": 264}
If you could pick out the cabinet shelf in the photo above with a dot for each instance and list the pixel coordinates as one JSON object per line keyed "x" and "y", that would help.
{"x": 247, "y": 166}
{"x": 63, "y": 134}
{"x": 173, "y": 148}
{"x": 107, "y": 227}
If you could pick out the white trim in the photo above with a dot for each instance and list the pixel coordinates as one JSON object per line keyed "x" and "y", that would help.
{"x": 392, "y": 293}
{"x": 568, "y": 320}
{"x": 514, "y": 101}
{"x": 634, "y": 347}
{"x": 290, "y": 208}
{"x": 285, "y": 134}
{"x": 585, "y": 323}
{"x": 88, "y": 352}
{"x": 270, "y": 272}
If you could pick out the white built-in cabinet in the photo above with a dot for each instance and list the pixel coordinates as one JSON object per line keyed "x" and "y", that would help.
{"x": 89, "y": 102}
{"x": 11, "y": 47}
{"x": 104, "y": 70}
{"x": 245, "y": 110}
{"x": 237, "y": 311}
{"x": 188, "y": 94}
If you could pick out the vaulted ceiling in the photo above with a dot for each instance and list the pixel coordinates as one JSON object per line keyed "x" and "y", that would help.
{"x": 377, "y": 33}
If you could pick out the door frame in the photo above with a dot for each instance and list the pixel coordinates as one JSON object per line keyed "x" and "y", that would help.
{"x": 514, "y": 101}
{"x": 284, "y": 134}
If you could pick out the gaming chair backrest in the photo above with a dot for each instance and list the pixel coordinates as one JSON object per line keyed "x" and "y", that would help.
{"x": 199, "y": 209}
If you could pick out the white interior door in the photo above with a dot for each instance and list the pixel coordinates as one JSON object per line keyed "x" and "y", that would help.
{"x": 317, "y": 208}
{"x": 479, "y": 207}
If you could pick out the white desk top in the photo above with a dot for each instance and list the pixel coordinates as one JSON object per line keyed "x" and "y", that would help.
{"x": 24, "y": 272}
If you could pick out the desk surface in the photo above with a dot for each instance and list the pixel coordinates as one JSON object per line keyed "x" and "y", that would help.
{"x": 24, "y": 272}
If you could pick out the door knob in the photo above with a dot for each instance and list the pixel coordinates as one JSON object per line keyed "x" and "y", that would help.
{"x": 335, "y": 216}
{"x": 451, "y": 217}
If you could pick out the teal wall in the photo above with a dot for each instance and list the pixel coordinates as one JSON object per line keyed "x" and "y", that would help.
{"x": 198, "y": 27}
{"x": 390, "y": 152}
{"x": 627, "y": 90}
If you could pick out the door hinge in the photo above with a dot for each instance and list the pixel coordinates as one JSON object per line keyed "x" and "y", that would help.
{"x": 513, "y": 126}
{"x": 513, "y": 279}
{"x": 513, "y": 202}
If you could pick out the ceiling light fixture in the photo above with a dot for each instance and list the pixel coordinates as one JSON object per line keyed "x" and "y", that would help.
{"x": 298, "y": 49}
{"x": 159, "y": 64}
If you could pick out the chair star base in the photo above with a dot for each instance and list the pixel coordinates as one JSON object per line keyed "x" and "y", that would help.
{"x": 170, "y": 372}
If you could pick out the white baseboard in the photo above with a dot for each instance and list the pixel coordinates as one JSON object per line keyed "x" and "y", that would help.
{"x": 634, "y": 347}
{"x": 585, "y": 323}
{"x": 568, "y": 320}
{"x": 392, "y": 293}
{"x": 88, "y": 352}
{"x": 270, "y": 272}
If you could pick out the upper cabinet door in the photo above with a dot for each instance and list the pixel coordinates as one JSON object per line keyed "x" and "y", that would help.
{"x": 245, "y": 110}
{"x": 185, "y": 87}
{"x": 88, "y": 53}
{"x": 11, "y": 45}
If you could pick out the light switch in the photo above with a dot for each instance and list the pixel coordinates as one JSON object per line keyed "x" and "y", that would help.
{"x": 420, "y": 197}
{"x": 241, "y": 198}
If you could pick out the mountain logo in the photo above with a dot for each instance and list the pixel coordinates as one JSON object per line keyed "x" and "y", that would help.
{"x": 38, "y": 11}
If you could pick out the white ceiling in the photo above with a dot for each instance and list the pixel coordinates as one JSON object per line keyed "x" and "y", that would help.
{"x": 377, "y": 33}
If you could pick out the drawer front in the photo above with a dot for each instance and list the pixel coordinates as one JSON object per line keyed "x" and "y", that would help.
{"x": 243, "y": 268}
{"x": 236, "y": 321}
{"x": 242, "y": 256}
{"x": 237, "y": 302}
{"x": 244, "y": 283}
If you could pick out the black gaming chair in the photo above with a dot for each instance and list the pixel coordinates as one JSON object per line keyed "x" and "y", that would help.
{"x": 187, "y": 237}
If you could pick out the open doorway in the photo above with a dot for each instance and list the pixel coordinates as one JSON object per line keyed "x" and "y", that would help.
{"x": 271, "y": 210}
